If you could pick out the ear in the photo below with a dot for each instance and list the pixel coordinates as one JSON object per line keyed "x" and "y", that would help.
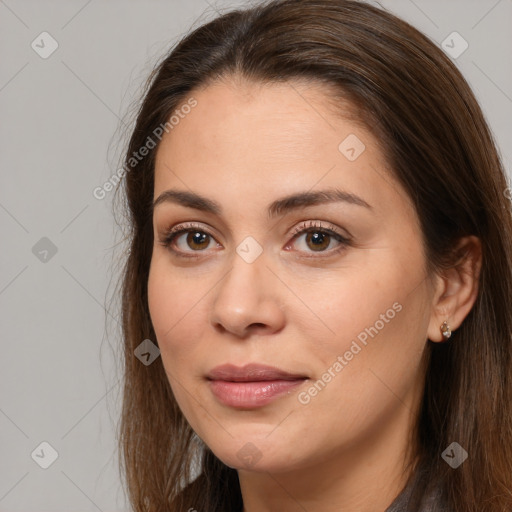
{"x": 456, "y": 289}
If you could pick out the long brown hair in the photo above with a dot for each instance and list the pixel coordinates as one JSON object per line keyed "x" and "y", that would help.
{"x": 434, "y": 136}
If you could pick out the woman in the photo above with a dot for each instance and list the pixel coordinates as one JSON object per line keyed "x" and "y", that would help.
{"x": 320, "y": 248}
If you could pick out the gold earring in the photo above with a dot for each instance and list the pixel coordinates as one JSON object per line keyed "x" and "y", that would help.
{"x": 445, "y": 329}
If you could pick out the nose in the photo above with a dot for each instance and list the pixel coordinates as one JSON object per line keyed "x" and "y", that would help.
{"x": 248, "y": 299}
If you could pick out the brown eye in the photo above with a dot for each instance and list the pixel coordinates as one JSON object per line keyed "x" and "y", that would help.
{"x": 196, "y": 240}
{"x": 318, "y": 240}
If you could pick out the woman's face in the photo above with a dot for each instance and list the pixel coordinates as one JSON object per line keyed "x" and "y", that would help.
{"x": 328, "y": 289}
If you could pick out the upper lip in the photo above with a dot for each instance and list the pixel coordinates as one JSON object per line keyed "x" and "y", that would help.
{"x": 252, "y": 372}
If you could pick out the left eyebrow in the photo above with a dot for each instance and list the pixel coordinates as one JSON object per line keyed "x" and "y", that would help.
{"x": 303, "y": 199}
{"x": 275, "y": 209}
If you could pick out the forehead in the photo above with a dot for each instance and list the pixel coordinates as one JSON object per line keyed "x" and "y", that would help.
{"x": 284, "y": 115}
{"x": 274, "y": 123}
{"x": 269, "y": 139}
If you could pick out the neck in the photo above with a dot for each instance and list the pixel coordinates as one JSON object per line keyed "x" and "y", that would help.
{"x": 365, "y": 477}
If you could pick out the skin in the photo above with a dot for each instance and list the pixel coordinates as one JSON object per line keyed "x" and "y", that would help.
{"x": 245, "y": 145}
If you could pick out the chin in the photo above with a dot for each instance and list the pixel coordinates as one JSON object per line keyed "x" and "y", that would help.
{"x": 257, "y": 453}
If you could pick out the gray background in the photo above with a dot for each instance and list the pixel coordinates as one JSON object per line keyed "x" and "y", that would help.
{"x": 61, "y": 125}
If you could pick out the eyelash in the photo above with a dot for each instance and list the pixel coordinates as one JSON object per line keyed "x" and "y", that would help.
{"x": 171, "y": 234}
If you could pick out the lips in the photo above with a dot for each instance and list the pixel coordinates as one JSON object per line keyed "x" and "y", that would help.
{"x": 251, "y": 373}
{"x": 252, "y": 385}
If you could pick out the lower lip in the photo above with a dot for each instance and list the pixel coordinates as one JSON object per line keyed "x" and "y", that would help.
{"x": 251, "y": 394}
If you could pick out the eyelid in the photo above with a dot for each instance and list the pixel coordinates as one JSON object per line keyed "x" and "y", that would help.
{"x": 331, "y": 229}
{"x": 170, "y": 234}
{"x": 321, "y": 226}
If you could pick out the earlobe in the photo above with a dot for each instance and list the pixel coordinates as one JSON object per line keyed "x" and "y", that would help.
{"x": 456, "y": 291}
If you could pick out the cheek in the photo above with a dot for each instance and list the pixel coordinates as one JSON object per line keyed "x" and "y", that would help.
{"x": 175, "y": 309}
{"x": 356, "y": 305}
{"x": 374, "y": 337}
